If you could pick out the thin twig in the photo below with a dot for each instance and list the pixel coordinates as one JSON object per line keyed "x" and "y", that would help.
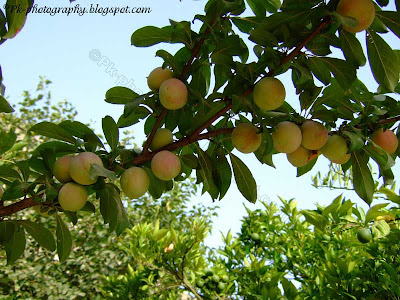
{"x": 141, "y": 159}
{"x": 389, "y": 120}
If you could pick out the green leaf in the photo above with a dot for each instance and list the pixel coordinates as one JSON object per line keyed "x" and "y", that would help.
{"x": 344, "y": 73}
{"x": 140, "y": 113}
{"x": 362, "y": 178}
{"x": 7, "y": 229}
{"x": 384, "y": 160}
{"x": 112, "y": 209}
{"x": 41, "y": 234}
{"x": 159, "y": 234}
{"x": 89, "y": 207}
{"x": 380, "y": 229}
{"x": 314, "y": 218}
{"x": 52, "y": 130}
{"x": 15, "y": 246}
{"x": 222, "y": 173}
{"x": 203, "y": 115}
{"x": 190, "y": 160}
{"x": 205, "y": 172}
{"x": 289, "y": 288}
{"x": 120, "y": 95}
{"x": 64, "y": 240}
{"x": 23, "y": 167}
{"x": 97, "y": 170}
{"x": 305, "y": 169}
{"x": 374, "y": 212}
{"x": 391, "y": 19}
{"x": 60, "y": 148}
{"x": 82, "y": 131}
{"x": 257, "y": 6}
{"x": 319, "y": 69}
{"x": 272, "y": 5}
{"x": 231, "y": 45}
{"x": 16, "y": 17}
{"x": 383, "y": 61}
{"x": 8, "y": 173}
{"x": 356, "y": 141}
{"x": 108, "y": 207}
{"x": 15, "y": 190}
{"x": 3, "y": 31}
{"x": 244, "y": 179}
{"x": 151, "y": 35}
{"x": 7, "y": 140}
{"x": 5, "y": 106}
{"x": 157, "y": 186}
{"x": 392, "y": 196}
{"x": 170, "y": 61}
{"x": 111, "y": 131}
{"x": 352, "y": 48}
{"x": 200, "y": 83}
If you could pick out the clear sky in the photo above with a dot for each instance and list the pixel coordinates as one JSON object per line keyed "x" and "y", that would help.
{"x": 66, "y": 49}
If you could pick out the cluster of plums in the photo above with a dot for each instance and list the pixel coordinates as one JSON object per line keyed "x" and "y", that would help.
{"x": 301, "y": 143}
{"x": 74, "y": 171}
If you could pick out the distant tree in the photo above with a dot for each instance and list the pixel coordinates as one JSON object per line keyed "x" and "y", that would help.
{"x": 335, "y": 252}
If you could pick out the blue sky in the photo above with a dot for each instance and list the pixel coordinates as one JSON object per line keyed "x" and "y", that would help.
{"x": 65, "y": 49}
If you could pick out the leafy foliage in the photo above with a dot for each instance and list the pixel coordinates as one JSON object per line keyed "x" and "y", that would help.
{"x": 213, "y": 64}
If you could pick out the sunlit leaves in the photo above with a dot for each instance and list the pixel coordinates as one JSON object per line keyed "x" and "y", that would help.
{"x": 53, "y": 131}
{"x": 362, "y": 178}
{"x": 383, "y": 61}
{"x": 111, "y": 132}
{"x": 244, "y": 179}
{"x": 120, "y": 95}
{"x": 151, "y": 35}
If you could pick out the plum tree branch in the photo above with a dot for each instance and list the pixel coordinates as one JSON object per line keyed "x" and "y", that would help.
{"x": 185, "y": 70}
{"x": 196, "y": 49}
{"x": 196, "y": 135}
{"x": 16, "y": 207}
{"x": 296, "y": 51}
{"x": 389, "y": 120}
{"x": 181, "y": 143}
{"x": 153, "y": 131}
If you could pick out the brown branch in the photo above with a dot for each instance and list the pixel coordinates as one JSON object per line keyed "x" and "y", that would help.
{"x": 185, "y": 70}
{"x": 389, "y": 120}
{"x": 211, "y": 120}
{"x": 191, "y": 288}
{"x": 196, "y": 50}
{"x": 153, "y": 131}
{"x": 17, "y": 206}
{"x": 181, "y": 143}
{"x": 296, "y": 51}
{"x": 196, "y": 135}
